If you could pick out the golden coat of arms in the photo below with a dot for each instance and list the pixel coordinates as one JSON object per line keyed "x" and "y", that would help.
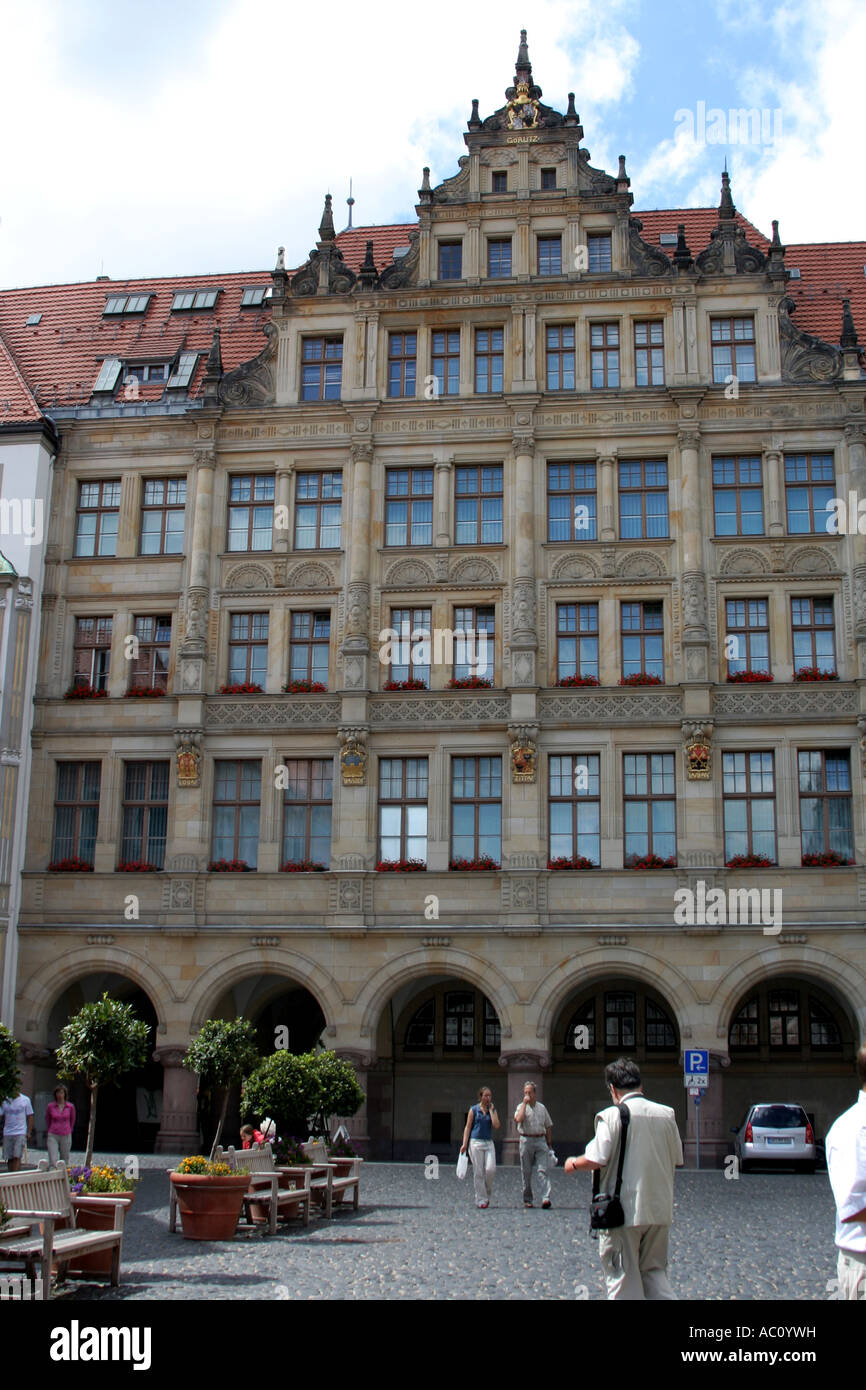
{"x": 698, "y": 761}
{"x": 188, "y": 766}
{"x": 522, "y": 112}
{"x": 353, "y": 763}
{"x": 523, "y": 761}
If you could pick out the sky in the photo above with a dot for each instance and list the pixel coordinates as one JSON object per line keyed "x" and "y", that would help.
{"x": 193, "y": 136}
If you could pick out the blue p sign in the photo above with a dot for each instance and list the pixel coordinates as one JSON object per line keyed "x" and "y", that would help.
{"x": 697, "y": 1062}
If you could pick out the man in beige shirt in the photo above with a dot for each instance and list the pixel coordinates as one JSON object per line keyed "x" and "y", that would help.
{"x": 534, "y": 1126}
{"x": 634, "y": 1257}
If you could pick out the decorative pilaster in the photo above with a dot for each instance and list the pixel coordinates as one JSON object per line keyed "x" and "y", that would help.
{"x": 772, "y": 463}
{"x": 178, "y": 1130}
{"x": 193, "y": 652}
{"x": 442, "y": 498}
{"x": 282, "y": 512}
{"x": 696, "y": 639}
{"x": 855, "y": 436}
{"x": 356, "y": 641}
{"x": 524, "y": 638}
{"x": 606, "y": 463}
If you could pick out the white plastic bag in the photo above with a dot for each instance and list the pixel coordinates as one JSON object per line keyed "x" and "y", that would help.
{"x": 462, "y": 1166}
{"x": 552, "y": 1158}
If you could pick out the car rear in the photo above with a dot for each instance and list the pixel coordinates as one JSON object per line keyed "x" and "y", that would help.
{"x": 777, "y": 1133}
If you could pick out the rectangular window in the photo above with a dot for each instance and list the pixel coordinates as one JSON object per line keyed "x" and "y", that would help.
{"x": 620, "y": 1014}
{"x": 402, "y": 363}
{"x": 321, "y": 369}
{"x": 409, "y": 506}
{"x": 749, "y": 797}
{"x": 310, "y": 647}
{"x": 825, "y": 803}
{"x": 643, "y": 639}
{"x": 460, "y": 1021}
{"x": 108, "y": 374}
{"x": 248, "y": 649}
{"x": 473, "y": 643}
{"x": 488, "y": 359}
{"x": 446, "y": 361}
{"x": 650, "y": 806}
{"x": 182, "y": 374}
{"x": 813, "y": 633}
{"x": 76, "y": 811}
{"x": 571, "y": 502}
{"x": 307, "y": 811}
{"x": 499, "y": 258}
{"x": 604, "y": 355}
{"x": 575, "y": 806}
{"x": 150, "y": 668}
{"x": 500, "y": 181}
{"x": 97, "y": 518}
{"x": 145, "y": 813}
{"x": 576, "y": 640}
{"x": 733, "y": 343}
{"x": 194, "y": 299}
{"x": 410, "y": 651}
{"x": 747, "y": 622}
{"x": 550, "y": 255}
{"x": 236, "y": 799}
{"x": 479, "y": 505}
{"x": 254, "y": 297}
{"x": 251, "y": 512}
{"x": 559, "y": 355}
{"x": 810, "y": 483}
{"x": 548, "y": 178}
{"x": 162, "y": 516}
{"x": 126, "y": 304}
{"x": 476, "y": 808}
{"x": 783, "y": 1016}
{"x": 450, "y": 260}
{"x": 599, "y": 248}
{"x": 643, "y": 499}
{"x": 649, "y": 354}
{"x": 403, "y": 809}
{"x": 738, "y": 496}
{"x": 318, "y": 511}
{"x": 91, "y": 658}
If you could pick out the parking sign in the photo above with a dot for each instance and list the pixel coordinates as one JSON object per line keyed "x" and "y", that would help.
{"x": 696, "y": 1068}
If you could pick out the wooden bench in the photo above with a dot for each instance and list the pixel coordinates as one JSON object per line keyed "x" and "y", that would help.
{"x": 265, "y": 1184}
{"x": 43, "y": 1197}
{"x": 326, "y": 1179}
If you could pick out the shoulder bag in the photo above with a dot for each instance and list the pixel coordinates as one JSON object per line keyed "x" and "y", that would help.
{"x": 605, "y": 1210}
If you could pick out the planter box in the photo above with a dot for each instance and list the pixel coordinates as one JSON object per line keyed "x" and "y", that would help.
{"x": 209, "y": 1207}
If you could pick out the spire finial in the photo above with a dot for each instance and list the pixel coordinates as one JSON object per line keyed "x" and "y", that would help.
{"x": 726, "y": 206}
{"x": 523, "y": 64}
{"x": 682, "y": 256}
{"x": 326, "y": 226}
{"x": 351, "y": 202}
{"x": 474, "y": 120}
{"x": 848, "y": 338}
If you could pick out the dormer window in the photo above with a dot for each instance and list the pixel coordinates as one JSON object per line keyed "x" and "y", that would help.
{"x": 125, "y": 304}
{"x": 548, "y": 178}
{"x": 194, "y": 299}
{"x": 500, "y": 181}
{"x": 108, "y": 374}
{"x": 450, "y": 260}
{"x": 600, "y": 254}
{"x": 255, "y": 297}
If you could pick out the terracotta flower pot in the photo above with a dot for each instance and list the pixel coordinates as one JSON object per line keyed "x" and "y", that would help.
{"x": 209, "y": 1207}
{"x": 97, "y": 1217}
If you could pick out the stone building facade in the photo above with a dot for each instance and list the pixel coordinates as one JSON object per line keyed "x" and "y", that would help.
{"x": 608, "y": 450}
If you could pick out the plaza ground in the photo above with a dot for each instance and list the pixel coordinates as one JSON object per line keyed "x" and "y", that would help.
{"x": 761, "y": 1237}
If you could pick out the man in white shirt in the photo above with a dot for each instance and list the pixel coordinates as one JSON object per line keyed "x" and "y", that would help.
{"x": 846, "y": 1168}
{"x": 534, "y": 1126}
{"x": 634, "y": 1257}
{"x": 17, "y": 1113}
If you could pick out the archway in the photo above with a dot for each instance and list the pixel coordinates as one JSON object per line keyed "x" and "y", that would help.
{"x": 128, "y": 1114}
{"x": 437, "y": 1041}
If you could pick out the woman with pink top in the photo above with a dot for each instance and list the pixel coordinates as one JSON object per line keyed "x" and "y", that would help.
{"x": 60, "y": 1114}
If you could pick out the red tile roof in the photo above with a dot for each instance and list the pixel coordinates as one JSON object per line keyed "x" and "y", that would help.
{"x": 55, "y": 363}
{"x": 17, "y": 405}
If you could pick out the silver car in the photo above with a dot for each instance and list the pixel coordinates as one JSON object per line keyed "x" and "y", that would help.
{"x": 775, "y": 1133}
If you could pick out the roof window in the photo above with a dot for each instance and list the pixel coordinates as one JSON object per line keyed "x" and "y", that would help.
{"x": 194, "y": 299}
{"x": 126, "y": 304}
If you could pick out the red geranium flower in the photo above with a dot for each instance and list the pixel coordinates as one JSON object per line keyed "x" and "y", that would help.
{"x": 302, "y": 866}
{"x": 749, "y": 677}
{"x": 304, "y": 687}
{"x": 470, "y": 683}
{"x": 70, "y": 866}
{"x": 401, "y": 866}
{"x": 650, "y": 861}
{"x": 577, "y": 680}
{"x": 483, "y": 862}
{"x": 641, "y": 678}
{"x": 815, "y": 673}
{"x": 241, "y": 688}
{"x": 578, "y": 862}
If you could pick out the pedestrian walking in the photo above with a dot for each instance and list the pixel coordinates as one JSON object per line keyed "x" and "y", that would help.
{"x": 634, "y": 1256}
{"x": 845, "y": 1147}
{"x": 17, "y": 1115}
{"x": 60, "y": 1122}
{"x": 481, "y": 1121}
{"x": 534, "y": 1126}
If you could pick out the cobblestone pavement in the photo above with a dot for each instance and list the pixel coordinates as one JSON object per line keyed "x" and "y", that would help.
{"x": 763, "y": 1236}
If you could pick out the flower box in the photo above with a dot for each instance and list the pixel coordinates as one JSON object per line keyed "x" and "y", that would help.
{"x": 474, "y": 865}
{"x": 824, "y": 861}
{"x": 302, "y": 866}
{"x": 650, "y": 861}
{"x": 84, "y": 692}
{"x": 405, "y": 685}
{"x": 815, "y": 673}
{"x": 70, "y": 866}
{"x": 401, "y": 866}
{"x": 228, "y": 866}
{"x": 241, "y": 688}
{"x": 749, "y": 677}
{"x": 144, "y": 692}
{"x": 577, "y": 680}
{"x": 137, "y": 866}
{"x": 305, "y": 688}
{"x": 749, "y": 861}
{"x": 562, "y": 862}
{"x": 470, "y": 683}
{"x": 641, "y": 678}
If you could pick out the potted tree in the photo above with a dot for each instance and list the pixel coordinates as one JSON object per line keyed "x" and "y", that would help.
{"x": 102, "y": 1180}
{"x": 223, "y": 1052}
{"x": 102, "y": 1042}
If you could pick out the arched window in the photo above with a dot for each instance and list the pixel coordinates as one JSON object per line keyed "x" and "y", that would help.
{"x": 744, "y": 1029}
{"x": 660, "y": 1032}
{"x": 457, "y": 1020}
{"x": 632, "y": 1022}
{"x": 785, "y": 1018}
{"x": 823, "y": 1028}
{"x": 420, "y": 1033}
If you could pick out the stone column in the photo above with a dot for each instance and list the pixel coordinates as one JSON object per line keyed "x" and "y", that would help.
{"x": 178, "y": 1130}
{"x": 773, "y": 489}
{"x": 855, "y": 434}
{"x": 282, "y": 514}
{"x": 193, "y": 652}
{"x": 607, "y": 527}
{"x": 524, "y": 636}
{"x": 520, "y": 1067}
{"x": 357, "y": 1124}
{"x": 356, "y": 641}
{"x": 695, "y": 633}
{"x": 472, "y": 266}
{"x": 522, "y": 249}
{"x": 442, "y": 498}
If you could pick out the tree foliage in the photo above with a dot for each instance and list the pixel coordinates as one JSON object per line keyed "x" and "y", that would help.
{"x": 293, "y": 1088}
{"x": 223, "y": 1053}
{"x": 10, "y": 1072}
{"x": 101, "y": 1042}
